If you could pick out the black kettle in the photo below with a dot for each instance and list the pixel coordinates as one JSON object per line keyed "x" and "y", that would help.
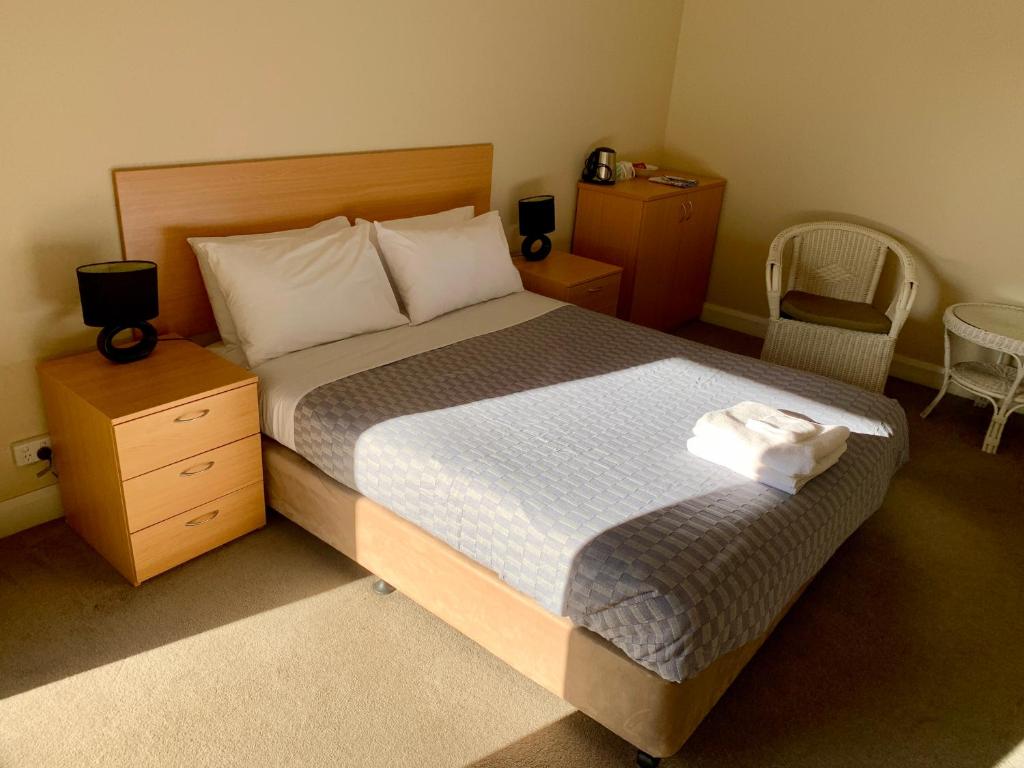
{"x": 600, "y": 166}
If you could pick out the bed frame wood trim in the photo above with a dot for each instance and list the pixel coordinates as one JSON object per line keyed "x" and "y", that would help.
{"x": 159, "y": 207}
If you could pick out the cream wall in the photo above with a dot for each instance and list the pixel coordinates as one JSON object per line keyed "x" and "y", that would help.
{"x": 907, "y": 116}
{"x": 91, "y": 86}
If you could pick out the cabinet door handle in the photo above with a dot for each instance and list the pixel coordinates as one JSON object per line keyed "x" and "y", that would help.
{"x": 682, "y": 211}
{"x": 198, "y": 469}
{"x": 202, "y": 519}
{"x": 193, "y": 416}
{"x": 689, "y": 209}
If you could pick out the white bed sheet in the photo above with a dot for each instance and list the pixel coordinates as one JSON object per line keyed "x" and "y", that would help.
{"x": 285, "y": 380}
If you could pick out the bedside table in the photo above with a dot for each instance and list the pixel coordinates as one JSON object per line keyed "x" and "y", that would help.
{"x": 575, "y": 279}
{"x": 158, "y": 460}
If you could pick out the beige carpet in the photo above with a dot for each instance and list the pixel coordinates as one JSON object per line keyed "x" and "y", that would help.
{"x": 907, "y": 650}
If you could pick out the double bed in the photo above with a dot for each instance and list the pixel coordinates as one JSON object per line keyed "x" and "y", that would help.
{"x": 518, "y": 467}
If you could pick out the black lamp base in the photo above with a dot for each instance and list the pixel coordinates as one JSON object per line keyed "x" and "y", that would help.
{"x": 544, "y": 243}
{"x": 137, "y": 351}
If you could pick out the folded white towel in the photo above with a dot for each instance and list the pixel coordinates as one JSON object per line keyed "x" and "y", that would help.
{"x": 708, "y": 451}
{"x": 796, "y": 431}
{"x": 788, "y": 443}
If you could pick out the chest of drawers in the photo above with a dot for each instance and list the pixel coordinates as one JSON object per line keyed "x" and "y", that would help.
{"x": 158, "y": 460}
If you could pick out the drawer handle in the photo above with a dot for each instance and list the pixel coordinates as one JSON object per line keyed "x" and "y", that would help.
{"x": 198, "y": 469}
{"x": 193, "y": 416}
{"x": 202, "y": 519}
{"x": 595, "y": 290}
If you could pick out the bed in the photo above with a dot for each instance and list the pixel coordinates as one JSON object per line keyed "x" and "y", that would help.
{"x": 520, "y": 464}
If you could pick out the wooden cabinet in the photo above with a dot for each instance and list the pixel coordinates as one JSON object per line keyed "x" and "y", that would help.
{"x": 663, "y": 238}
{"x": 577, "y": 280}
{"x": 158, "y": 460}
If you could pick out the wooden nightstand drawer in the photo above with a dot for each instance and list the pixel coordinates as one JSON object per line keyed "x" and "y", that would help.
{"x": 567, "y": 277}
{"x": 168, "y": 491}
{"x": 172, "y": 542}
{"x": 168, "y": 436}
{"x": 601, "y": 295}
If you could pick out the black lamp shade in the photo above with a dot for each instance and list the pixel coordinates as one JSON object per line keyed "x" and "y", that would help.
{"x": 536, "y": 215}
{"x": 118, "y": 292}
{"x": 120, "y": 296}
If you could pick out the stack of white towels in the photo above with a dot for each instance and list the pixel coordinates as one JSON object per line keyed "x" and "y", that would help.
{"x": 780, "y": 449}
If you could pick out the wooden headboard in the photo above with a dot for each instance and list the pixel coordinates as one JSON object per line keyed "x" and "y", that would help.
{"x": 158, "y": 208}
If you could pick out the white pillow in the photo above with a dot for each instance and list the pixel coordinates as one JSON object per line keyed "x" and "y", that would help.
{"x": 441, "y": 270}
{"x": 285, "y": 295}
{"x": 225, "y": 325}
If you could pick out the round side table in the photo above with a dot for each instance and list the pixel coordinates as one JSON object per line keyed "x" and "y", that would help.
{"x": 999, "y": 327}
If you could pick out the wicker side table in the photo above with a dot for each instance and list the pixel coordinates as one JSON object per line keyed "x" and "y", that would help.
{"x": 999, "y": 327}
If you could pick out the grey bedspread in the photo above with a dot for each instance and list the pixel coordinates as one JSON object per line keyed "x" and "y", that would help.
{"x": 554, "y": 453}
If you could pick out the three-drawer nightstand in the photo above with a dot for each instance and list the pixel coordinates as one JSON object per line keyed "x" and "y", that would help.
{"x": 578, "y": 280}
{"x": 158, "y": 460}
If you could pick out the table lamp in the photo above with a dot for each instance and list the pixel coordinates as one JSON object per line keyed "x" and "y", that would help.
{"x": 120, "y": 296}
{"x": 536, "y": 219}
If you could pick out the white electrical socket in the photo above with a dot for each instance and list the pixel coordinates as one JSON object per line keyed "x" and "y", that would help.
{"x": 25, "y": 450}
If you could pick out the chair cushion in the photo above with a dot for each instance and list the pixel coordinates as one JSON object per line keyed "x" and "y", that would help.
{"x": 838, "y": 313}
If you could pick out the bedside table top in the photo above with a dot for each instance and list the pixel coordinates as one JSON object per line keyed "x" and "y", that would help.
{"x": 177, "y": 371}
{"x": 566, "y": 268}
{"x": 642, "y": 189}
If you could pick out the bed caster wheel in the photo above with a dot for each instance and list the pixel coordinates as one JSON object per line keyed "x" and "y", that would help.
{"x": 381, "y": 587}
{"x": 643, "y": 760}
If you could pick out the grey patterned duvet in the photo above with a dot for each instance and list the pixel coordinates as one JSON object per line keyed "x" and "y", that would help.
{"x": 554, "y": 453}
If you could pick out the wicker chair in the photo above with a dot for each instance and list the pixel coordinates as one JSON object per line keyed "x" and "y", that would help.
{"x": 825, "y": 323}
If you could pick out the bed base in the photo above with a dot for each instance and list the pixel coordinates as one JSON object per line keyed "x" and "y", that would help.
{"x": 649, "y": 712}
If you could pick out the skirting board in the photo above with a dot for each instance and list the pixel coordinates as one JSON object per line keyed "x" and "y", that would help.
{"x": 903, "y": 367}
{"x": 29, "y": 509}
